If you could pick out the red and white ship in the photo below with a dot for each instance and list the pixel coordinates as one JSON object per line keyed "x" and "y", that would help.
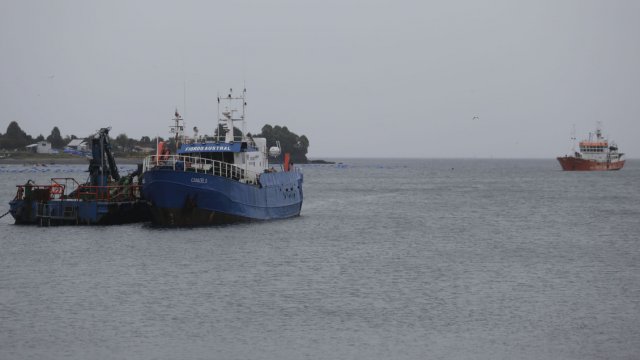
{"x": 596, "y": 153}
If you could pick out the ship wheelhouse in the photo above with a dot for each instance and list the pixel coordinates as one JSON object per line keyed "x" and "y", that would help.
{"x": 232, "y": 154}
{"x": 594, "y": 147}
{"x": 222, "y": 152}
{"x": 247, "y": 156}
{"x": 226, "y": 157}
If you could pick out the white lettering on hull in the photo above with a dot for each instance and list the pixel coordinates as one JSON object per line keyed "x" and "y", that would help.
{"x": 199, "y": 180}
{"x": 208, "y": 148}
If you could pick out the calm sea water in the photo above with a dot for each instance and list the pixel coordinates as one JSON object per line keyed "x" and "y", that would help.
{"x": 391, "y": 259}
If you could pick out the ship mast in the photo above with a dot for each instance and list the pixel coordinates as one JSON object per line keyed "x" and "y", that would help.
{"x": 573, "y": 139}
{"x": 177, "y": 128}
{"x": 228, "y": 116}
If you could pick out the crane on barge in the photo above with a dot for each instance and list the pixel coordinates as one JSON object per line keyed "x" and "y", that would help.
{"x": 106, "y": 198}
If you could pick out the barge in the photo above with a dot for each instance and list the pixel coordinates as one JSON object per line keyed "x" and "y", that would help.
{"x": 105, "y": 199}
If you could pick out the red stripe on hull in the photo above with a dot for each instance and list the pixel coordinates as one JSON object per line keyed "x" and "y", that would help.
{"x": 575, "y": 164}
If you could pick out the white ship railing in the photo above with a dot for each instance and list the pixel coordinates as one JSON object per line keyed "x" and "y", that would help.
{"x": 200, "y": 165}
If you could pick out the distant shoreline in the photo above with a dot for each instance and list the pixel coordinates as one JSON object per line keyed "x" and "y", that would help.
{"x": 63, "y": 161}
{"x": 51, "y": 160}
{"x": 37, "y": 160}
{"x": 320, "y": 162}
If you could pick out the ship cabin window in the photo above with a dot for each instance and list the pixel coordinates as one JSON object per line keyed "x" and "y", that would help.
{"x": 592, "y": 148}
{"x": 217, "y": 156}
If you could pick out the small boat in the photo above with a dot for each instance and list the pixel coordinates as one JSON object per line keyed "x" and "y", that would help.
{"x": 105, "y": 199}
{"x": 221, "y": 180}
{"x": 596, "y": 153}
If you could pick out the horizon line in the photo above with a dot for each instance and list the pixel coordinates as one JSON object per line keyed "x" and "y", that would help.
{"x": 438, "y": 158}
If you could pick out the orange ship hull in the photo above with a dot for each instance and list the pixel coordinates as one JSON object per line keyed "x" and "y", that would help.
{"x": 570, "y": 163}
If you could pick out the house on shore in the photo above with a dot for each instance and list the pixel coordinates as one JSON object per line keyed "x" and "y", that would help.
{"x": 77, "y": 145}
{"x": 143, "y": 149}
{"x": 41, "y": 147}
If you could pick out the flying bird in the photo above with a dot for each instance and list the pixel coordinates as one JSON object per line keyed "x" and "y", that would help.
{"x": 476, "y": 117}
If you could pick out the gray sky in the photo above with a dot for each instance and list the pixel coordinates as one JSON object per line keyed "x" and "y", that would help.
{"x": 359, "y": 78}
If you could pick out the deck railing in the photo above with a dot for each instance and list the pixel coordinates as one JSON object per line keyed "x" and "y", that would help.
{"x": 69, "y": 188}
{"x": 110, "y": 193}
{"x": 200, "y": 165}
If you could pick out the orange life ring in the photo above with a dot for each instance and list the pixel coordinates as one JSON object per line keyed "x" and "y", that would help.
{"x": 56, "y": 189}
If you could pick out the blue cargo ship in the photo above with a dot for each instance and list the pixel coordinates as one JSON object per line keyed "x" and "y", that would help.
{"x": 221, "y": 180}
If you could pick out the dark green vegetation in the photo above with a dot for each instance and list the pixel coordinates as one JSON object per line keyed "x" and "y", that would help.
{"x": 290, "y": 142}
{"x": 15, "y": 140}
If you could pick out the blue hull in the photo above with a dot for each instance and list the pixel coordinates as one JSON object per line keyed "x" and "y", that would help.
{"x": 179, "y": 198}
{"x": 75, "y": 212}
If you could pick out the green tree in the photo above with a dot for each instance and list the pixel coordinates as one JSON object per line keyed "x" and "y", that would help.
{"x": 15, "y": 138}
{"x": 121, "y": 142}
{"x": 131, "y": 143}
{"x": 55, "y": 138}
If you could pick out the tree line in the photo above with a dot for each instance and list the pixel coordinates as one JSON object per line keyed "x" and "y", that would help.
{"x": 16, "y": 139}
{"x": 290, "y": 142}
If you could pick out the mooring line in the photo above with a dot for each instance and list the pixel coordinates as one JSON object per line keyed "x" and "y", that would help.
{"x": 5, "y": 214}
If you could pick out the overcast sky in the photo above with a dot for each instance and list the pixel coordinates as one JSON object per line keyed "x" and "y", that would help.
{"x": 359, "y": 78}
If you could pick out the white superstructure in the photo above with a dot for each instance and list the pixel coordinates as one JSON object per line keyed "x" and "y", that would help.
{"x": 598, "y": 148}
